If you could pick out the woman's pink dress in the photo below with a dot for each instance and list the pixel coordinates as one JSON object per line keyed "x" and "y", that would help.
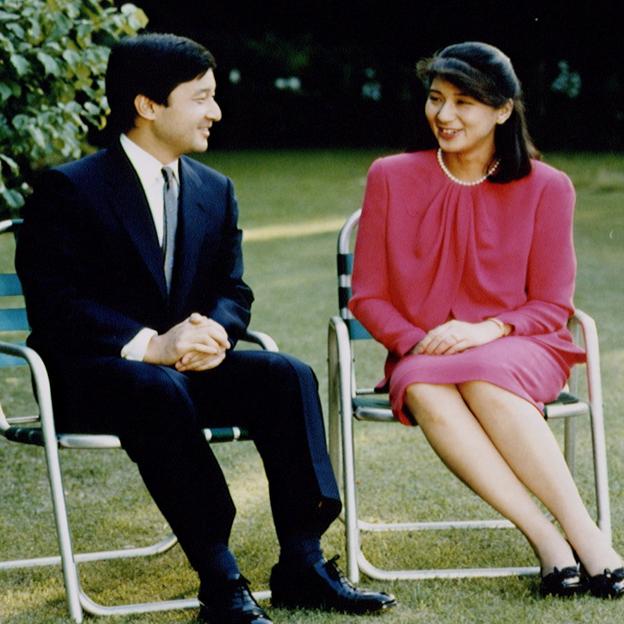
{"x": 429, "y": 249}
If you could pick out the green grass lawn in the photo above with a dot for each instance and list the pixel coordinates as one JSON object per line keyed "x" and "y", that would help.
{"x": 291, "y": 270}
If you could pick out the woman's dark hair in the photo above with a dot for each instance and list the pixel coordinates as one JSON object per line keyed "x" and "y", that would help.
{"x": 486, "y": 74}
{"x": 152, "y": 65}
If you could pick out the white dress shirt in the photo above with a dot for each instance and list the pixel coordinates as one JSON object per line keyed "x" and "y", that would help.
{"x": 149, "y": 171}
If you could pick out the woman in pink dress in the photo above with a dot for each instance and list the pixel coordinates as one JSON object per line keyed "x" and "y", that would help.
{"x": 464, "y": 270}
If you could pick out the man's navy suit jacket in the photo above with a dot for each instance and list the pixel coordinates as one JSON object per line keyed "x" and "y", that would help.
{"x": 92, "y": 268}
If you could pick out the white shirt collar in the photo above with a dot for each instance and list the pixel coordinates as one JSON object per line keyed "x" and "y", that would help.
{"x": 148, "y": 168}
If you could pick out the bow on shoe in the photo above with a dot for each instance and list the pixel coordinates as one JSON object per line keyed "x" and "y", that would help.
{"x": 563, "y": 583}
{"x": 609, "y": 584}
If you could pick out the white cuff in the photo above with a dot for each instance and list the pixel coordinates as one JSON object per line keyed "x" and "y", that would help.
{"x": 136, "y": 348}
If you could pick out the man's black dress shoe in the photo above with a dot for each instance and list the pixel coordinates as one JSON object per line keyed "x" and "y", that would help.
{"x": 563, "y": 583}
{"x": 230, "y": 602}
{"x": 608, "y": 584}
{"x": 323, "y": 586}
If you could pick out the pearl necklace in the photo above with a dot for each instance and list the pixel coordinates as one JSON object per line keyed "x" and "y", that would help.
{"x": 490, "y": 171}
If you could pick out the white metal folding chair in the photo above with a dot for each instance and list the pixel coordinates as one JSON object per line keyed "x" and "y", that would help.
{"x": 39, "y": 430}
{"x": 348, "y": 403}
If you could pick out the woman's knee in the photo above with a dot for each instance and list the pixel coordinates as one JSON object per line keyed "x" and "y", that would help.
{"x": 427, "y": 402}
{"x": 487, "y": 400}
{"x": 478, "y": 392}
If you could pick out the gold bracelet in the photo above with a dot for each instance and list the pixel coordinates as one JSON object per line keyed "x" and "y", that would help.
{"x": 502, "y": 326}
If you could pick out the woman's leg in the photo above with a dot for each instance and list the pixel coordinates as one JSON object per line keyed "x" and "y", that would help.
{"x": 457, "y": 437}
{"x": 527, "y": 444}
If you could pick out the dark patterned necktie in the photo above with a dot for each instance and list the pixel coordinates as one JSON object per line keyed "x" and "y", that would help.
{"x": 170, "y": 196}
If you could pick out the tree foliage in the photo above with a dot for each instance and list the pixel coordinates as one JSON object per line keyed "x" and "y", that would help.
{"x": 53, "y": 56}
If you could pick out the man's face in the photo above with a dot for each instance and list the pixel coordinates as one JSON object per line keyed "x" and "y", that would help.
{"x": 183, "y": 124}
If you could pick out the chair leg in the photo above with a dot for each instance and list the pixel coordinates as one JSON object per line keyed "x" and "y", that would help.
{"x": 159, "y": 547}
{"x": 601, "y": 477}
{"x": 352, "y": 531}
{"x": 333, "y": 403}
{"x": 70, "y": 570}
{"x": 569, "y": 433}
{"x": 341, "y": 429}
{"x": 77, "y": 600}
{"x": 95, "y": 608}
{"x": 599, "y": 446}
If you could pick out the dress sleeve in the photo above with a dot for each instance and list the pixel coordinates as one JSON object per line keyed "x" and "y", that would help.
{"x": 551, "y": 268}
{"x": 371, "y": 303}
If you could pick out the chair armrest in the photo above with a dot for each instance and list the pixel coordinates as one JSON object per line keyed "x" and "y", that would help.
{"x": 260, "y": 338}
{"x": 9, "y": 225}
{"x": 584, "y": 320}
{"x": 584, "y": 326}
{"x": 39, "y": 374}
{"x": 42, "y": 383}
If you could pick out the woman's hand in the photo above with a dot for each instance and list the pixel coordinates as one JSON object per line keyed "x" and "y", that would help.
{"x": 457, "y": 336}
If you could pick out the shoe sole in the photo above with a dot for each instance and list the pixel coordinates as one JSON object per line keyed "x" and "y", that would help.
{"x": 280, "y": 604}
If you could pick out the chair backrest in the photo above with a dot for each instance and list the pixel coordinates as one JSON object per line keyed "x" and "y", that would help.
{"x": 12, "y": 310}
{"x": 344, "y": 258}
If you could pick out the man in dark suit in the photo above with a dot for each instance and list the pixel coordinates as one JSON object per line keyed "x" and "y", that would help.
{"x": 132, "y": 270}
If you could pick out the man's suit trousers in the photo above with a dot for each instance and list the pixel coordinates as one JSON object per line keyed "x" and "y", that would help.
{"x": 159, "y": 414}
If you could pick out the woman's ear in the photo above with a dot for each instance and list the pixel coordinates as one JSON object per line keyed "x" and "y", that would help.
{"x": 504, "y": 112}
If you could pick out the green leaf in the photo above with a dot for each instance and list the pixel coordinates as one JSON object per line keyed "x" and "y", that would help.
{"x": 53, "y": 56}
{"x": 13, "y": 199}
{"x": 17, "y": 30}
{"x": 20, "y": 63}
{"x": 13, "y": 166}
{"x": 83, "y": 35}
{"x": 5, "y": 92}
{"x": 37, "y": 136}
{"x": 8, "y": 17}
{"x": 71, "y": 56}
{"x": 91, "y": 108}
{"x": 50, "y": 65}
{"x": 137, "y": 19}
{"x": 35, "y": 32}
{"x": 62, "y": 26}
{"x": 82, "y": 71}
{"x": 20, "y": 122}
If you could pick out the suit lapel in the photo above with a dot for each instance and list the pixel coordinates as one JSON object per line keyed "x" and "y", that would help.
{"x": 193, "y": 222}
{"x": 130, "y": 204}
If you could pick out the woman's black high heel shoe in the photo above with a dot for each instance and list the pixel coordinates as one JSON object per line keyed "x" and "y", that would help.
{"x": 606, "y": 585}
{"x": 563, "y": 583}
{"x": 609, "y": 584}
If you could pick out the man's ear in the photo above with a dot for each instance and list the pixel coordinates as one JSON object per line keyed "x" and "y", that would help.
{"x": 145, "y": 107}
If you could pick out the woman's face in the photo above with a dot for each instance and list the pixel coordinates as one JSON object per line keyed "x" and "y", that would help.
{"x": 461, "y": 124}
